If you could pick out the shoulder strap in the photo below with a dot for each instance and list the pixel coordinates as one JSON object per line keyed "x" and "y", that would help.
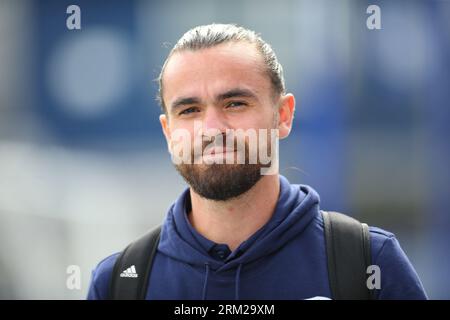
{"x": 138, "y": 257}
{"x": 348, "y": 253}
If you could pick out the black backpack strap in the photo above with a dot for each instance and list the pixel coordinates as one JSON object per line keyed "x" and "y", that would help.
{"x": 348, "y": 251}
{"x": 131, "y": 272}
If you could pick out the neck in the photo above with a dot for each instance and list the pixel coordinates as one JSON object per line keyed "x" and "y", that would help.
{"x": 235, "y": 220}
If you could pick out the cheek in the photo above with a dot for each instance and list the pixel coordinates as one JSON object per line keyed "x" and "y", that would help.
{"x": 255, "y": 118}
{"x": 180, "y": 125}
{"x": 266, "y": 119}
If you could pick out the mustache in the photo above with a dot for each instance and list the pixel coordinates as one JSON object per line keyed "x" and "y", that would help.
{"x": 223, "y": 140}
{"x": 250, "y": 146}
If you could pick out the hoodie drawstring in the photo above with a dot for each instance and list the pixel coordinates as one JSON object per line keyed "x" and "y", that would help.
{"x": 206, "y": 281}
{"x": 237, "y": 281}
{"x": 238, "y": 276}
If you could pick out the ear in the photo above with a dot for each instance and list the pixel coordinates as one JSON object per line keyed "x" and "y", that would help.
{"x": 164, "y": 121}
{"x": 286, "y": 112}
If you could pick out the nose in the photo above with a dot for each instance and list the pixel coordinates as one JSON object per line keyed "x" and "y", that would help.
{"x": 214, "y": 121}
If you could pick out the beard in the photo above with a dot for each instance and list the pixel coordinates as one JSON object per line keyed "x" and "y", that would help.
{"x": 220, "y": 182}
{"x": 224, "y": 181}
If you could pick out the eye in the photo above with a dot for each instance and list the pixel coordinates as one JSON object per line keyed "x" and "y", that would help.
{"x": 188, "y": 111}
{"x": 236, "y": 104}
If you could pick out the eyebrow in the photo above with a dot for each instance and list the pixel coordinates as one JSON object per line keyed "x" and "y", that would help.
{"x": 233, "y": 93}
{"x": 178, "y": 103}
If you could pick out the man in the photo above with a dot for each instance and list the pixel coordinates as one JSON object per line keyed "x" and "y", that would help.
{"x": 237, "y": 233}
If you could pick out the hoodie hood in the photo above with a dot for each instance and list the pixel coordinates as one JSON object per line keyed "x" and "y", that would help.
{"x": 297, "y": 206}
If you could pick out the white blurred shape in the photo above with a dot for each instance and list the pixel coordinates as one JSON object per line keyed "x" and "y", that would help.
{"x": 61, "y": 206}
{"x": 89, "y": 73}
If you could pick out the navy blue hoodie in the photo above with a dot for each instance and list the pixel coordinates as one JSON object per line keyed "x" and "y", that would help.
{"x": 285, "y": 259}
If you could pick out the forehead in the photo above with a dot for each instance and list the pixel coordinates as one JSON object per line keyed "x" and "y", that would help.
{"x": 206, "y": 72}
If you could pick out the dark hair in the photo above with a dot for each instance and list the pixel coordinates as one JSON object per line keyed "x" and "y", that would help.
{"x": 211, "y": 35}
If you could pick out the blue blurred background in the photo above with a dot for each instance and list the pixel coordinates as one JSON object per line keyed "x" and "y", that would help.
{"x": 83, "y": 163}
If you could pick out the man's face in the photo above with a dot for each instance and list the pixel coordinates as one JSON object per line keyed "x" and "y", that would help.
{"x": 206, "y": 93}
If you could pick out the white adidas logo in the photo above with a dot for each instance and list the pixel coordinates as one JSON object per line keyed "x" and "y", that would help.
{"x": 129, "y": 273}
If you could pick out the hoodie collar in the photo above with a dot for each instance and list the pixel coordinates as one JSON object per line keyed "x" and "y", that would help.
{"x": 297, "y": 205}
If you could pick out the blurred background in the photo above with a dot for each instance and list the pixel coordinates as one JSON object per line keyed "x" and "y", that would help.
{"x": 84, "y": 167}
